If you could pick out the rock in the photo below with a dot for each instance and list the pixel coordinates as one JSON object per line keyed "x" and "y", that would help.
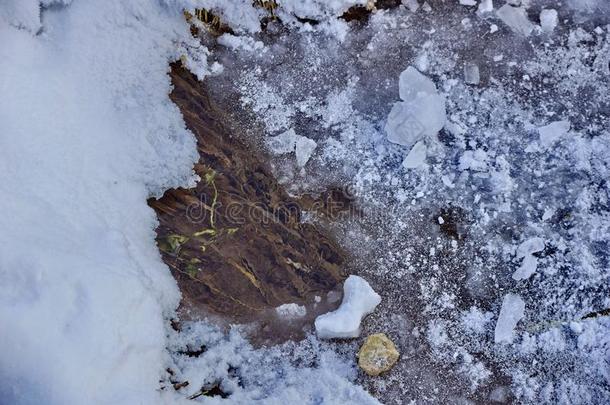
{"x": 377, "y": 355}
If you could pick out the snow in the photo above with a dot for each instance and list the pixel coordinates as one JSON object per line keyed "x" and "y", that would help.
{"x": 88, "y": 134}
{"x": 420, "y": 114}
{"x": 291, "y": 310}
{"x": 359, "y": 300}
{"x": 529, "y": 263}
{"x": 241, "y": 42}
{"x": 516, "y": 18}
{"x": 548, "y": 20}
{"x": 318, "y": 9}
{"x": 272, "y": 375}
{"x": 513, "y": 309}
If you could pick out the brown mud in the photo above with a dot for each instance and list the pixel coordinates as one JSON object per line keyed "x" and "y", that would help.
{"x": 236, "y": 243}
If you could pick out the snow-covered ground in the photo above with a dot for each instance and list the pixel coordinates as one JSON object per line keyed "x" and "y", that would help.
{"x": 485, "y": 227}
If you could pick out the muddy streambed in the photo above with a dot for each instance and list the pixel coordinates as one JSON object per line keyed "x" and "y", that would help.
{"x": 237, "y": 243}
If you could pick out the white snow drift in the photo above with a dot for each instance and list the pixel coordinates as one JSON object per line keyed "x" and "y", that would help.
{"x": 87, "y": 134}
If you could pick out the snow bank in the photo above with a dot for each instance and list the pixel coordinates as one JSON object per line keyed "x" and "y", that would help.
{"x": 87, "y": 133}
{"x": 359, "y": 300}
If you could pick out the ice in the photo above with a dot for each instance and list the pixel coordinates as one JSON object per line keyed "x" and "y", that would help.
{"x": 473, "y": 160}
{"x": 304, "y": 148}
{"x": 420, "y": 114}
{"x": 551, "y": 133}
{"x": 468, "y": 2}
{"x": 283, "y": 143}
{"x": 412, "y": 5}
{"x": 516, "y": 19}
{"x": 513, "y": 309}
{"x": 291, "y": 310}
{"x": 289, "y": 142}
{"x": 529, "y": 264}
{"x": 548, "y": 20}
{"x": 416, "y": 157}
{"x": 359, "y": 300}
{"x": 486, "y": 6}
{"x": 471, "y": 73}
{"x": 412, "y": 83}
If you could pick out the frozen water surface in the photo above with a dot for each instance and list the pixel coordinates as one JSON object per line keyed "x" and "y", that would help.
{"x": 520, "y": 157}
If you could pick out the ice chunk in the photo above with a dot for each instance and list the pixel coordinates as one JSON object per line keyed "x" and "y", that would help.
{"x": 282, "y": 143}
{"x": 468, "y": 2}
{"x": 548, "y": 214}
{"x": 291, "y": 311}
{"x": 486, "y": 6}
{"x": 359, "y": 300}
{"x": 289, "y": 142}
{"x": 516, "y": 19}
{"x": 548, "y": 20}
{"x": 471, "y": 73}
{"x": 513, "y": 309}
{"x": 411, "y": 83}
{"x": 420, "y": 114}
{"x": 416, "y": 157}
{"x": 304, "y": 148}
{"x": 475, "y": 160}
{"x": 529, "y": 264}
{"x": 412, "y": 5}
{"x": 549, "y": 134}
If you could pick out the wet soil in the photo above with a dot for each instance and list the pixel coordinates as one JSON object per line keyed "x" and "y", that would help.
{"x": 236, "y": 243}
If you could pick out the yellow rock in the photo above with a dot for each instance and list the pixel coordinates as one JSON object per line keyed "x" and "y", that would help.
{"x": 377, "y": 354}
